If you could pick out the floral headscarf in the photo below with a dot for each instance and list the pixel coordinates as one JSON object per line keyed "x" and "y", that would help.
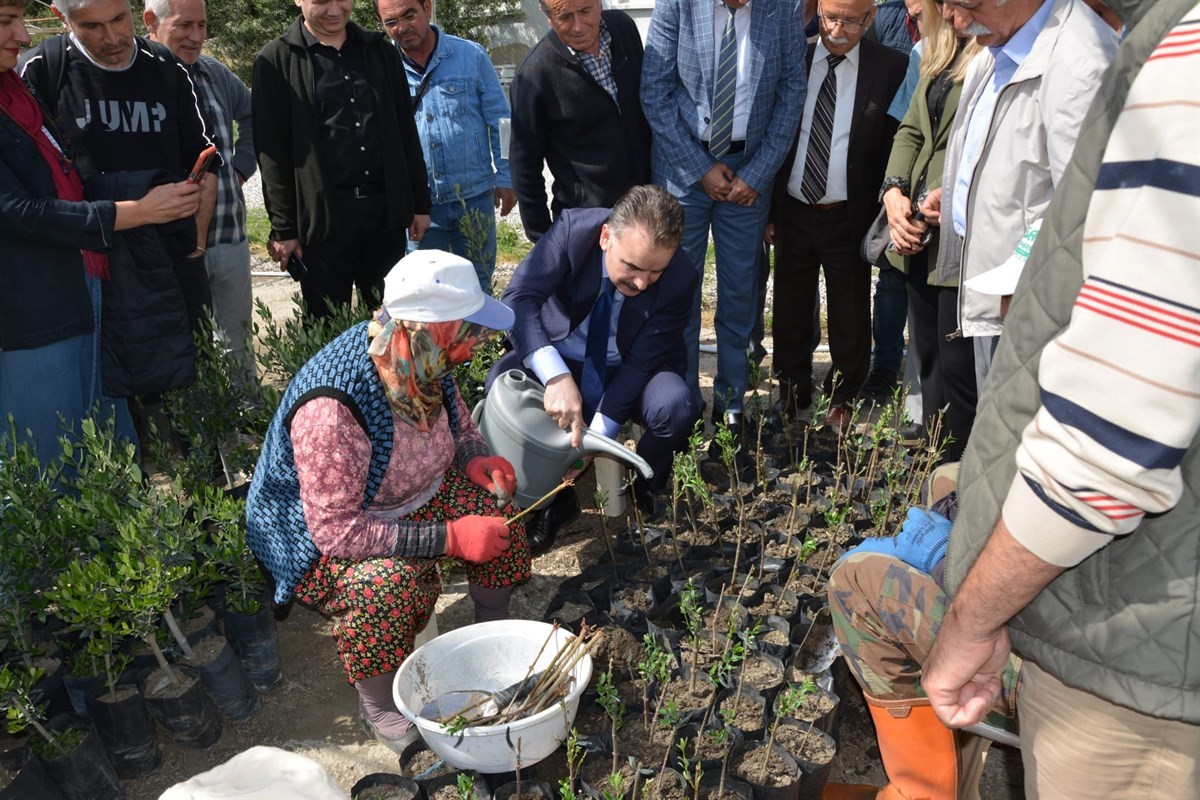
{"x": 413, "y": 357}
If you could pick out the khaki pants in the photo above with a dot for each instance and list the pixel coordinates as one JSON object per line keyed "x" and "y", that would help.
{"x": 1076, "y": 746}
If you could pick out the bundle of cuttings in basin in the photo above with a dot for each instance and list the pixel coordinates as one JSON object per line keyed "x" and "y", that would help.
{"x": 537, "y": 691}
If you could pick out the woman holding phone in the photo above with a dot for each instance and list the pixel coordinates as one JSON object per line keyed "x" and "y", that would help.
{"x": 53, "y": 243}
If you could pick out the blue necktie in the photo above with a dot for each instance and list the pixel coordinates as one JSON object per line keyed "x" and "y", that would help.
{"x": 595, "y": 361}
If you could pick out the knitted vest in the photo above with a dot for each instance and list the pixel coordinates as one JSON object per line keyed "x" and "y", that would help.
{"x": 1123, "y": 624}
{"x": 275, "y": 527}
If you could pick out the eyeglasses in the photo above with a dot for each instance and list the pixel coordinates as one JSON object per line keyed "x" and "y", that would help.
{"x": 408, "y": 18}
{"x": 848, "y": 25}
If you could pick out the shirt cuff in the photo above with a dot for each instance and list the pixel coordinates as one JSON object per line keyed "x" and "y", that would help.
{"x": 1041, "y": 530}
{"x": 603, "y": 425}
{"x": 546, "y": 363}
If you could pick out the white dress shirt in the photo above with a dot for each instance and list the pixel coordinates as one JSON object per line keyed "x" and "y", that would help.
{"x": 843, "y": 112}
{"x": 741, "y": 92}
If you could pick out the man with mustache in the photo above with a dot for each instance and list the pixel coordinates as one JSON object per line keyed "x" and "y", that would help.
{"x": 1013, "y": 134}
{"x": 825, "y": 197}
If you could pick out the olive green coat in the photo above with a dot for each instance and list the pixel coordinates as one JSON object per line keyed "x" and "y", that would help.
{"x": 920, "y": 151}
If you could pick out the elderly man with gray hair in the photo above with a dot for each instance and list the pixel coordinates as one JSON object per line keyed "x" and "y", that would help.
{"x": 181, "y": 25}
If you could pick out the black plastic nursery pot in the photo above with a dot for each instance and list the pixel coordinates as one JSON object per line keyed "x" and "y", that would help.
{"x": 711, "y": 787}
{"x": 386, "y": 786}
{"x": 779, "y": 780}
{"x": 224, "y": 679}
{"x": 182, "y": 708}
{"x": 255, "y": 639}
{"x": 85, "y": 773}
{"x": 78, "y": 688}
{"x": 525, "y": 790}
{"x": 28, "y": 777}
{"x": 813, "y": 750}
{"x": 127, "y": 730}
{"x": 445, "y": 787}
{"x": 50, "y": 691}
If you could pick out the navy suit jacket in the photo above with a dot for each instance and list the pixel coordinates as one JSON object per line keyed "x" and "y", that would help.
{"x": 555, "y": 287}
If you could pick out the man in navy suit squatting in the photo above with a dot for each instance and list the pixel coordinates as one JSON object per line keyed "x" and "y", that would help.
{"x": 601, "y": 303}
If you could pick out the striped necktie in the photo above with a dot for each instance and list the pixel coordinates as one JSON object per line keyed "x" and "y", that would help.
{"x": 724, "y": 86}
{"x": 816, "y": 163}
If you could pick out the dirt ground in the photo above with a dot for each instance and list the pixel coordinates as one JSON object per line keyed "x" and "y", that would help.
{"x": 314, "y": 712}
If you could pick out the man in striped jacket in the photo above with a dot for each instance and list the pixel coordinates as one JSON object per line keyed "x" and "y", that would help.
{"x": 1077, "y": 541}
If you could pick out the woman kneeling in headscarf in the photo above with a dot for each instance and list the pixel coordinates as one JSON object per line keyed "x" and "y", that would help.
{"x": 372, "y": 471}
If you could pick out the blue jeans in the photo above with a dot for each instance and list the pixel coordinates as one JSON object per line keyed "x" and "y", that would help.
{"x": 466, "y": 228}
{"x": 891, "y": 312}
{"x": 737, "y": 234}
{"x": 228, "y": 267}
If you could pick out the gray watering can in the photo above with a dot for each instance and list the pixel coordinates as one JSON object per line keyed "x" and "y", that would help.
{"x": 514, "y": 423}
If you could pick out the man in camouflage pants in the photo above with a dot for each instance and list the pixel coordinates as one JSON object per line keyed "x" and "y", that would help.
{"x": 887, "y": 604}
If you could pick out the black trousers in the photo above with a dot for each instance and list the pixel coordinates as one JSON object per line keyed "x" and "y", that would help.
{"x": 947, "y": 364}
{"x": 808, "y": 239}
{"x": 361, "y": 257}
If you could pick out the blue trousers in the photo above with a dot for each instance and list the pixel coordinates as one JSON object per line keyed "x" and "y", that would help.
{"x": 887, "y": 325}
{"x": 737, "y": 234}
{"x": 466, "y": 228}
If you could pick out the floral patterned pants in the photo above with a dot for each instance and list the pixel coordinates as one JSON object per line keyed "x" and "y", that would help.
{"x": 380, "y": 604}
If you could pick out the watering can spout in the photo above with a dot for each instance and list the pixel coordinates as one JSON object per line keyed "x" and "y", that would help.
{"x": 515, "y": 425}
{"x": 596, "y": 443}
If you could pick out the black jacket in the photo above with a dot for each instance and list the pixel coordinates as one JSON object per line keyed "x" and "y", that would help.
{"x": 596, "y": 149}
{"x": 294, "y": 186}
{"x": 44, "y": 298}
{"x": 146, "y": 341}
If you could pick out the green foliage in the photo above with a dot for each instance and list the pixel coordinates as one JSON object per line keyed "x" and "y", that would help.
{"x": 668, "y": 716}
{"x": 288, "y": 345}
{"x": 610, "y": 700}
{"x": 690, "y": 608}
{"x": 472, "y": 375}
{"x": 511, "y": 244}
{"x": 465, "y": 783}
{"x": 31, "y": 540}
{"x": 575, "y": 754}
{"x": 655, "y": 666}
{"x": 224, "y": 518}
{"x": 691, "y": 769}
{"x": 258, "y": 231}
{"x": 614, "y": 787}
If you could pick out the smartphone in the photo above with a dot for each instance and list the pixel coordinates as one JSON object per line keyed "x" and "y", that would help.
{"x": 296, "y": 268}
{"x": 202, "y": 165}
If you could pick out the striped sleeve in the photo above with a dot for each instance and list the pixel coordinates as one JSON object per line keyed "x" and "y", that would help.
{"x": 1120, "y": 386}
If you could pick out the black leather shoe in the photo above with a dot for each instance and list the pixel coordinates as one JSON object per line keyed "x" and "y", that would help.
{"x": 913, "y": 434}
{"x": 880, "y": 385}
{"x": 647, "y": 503}
{"x": 542, "y": 529}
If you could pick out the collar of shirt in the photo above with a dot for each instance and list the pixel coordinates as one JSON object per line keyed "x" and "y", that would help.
{"x": 420, "y": 68}
{"x": 1010, "y": 55}
{"x": 311, "y": 41}
{"x": 820, "y": 54}
{"x": 605, "y": 46}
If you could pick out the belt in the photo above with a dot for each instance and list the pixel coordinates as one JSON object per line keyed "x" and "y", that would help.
{"x": 736, "y": 146}
{"x": 362, "y": 191}
{"x": 823, "y": 207}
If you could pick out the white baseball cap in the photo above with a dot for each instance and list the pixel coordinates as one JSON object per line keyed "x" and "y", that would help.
{"x": 436, "y": 286}
{"x": 1002, "y": 280}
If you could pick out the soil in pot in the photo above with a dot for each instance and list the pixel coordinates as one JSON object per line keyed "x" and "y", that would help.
{"x": 445, "y": 787}
{"x": 769, "y": 770}
{"x": 525, "y": 790}
{"x": 256, "y": 642}
{"x": 385, "y": 786}
{"x": 420, "y": 763}
{"x": 649, "y": 748}
{"x": 763, "y": 673}
{"x": 702, "y": 652}
{"x": 719, "y": 618}
{"x": 711, "y": 788}
{"x": 203, "y": 622}
{"x": 223, "y": 678}
{"x": 813, "y": 750}
{"x": 746, "y": 711}
{"x": 775, "y": 601}
{"x": 816, "y": 706}
{"x": 85, "y": 772}
{"x": 597, "y": 771}
{"x": 666, "y": 785}
{"x": 126, "y": 729}
{"x": 178, "y": 703}
{"x": 619, "y": 646}
{"x": 690, "y": 700}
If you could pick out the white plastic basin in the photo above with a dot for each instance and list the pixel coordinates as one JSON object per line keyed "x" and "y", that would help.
{"x": 489, "y": 656}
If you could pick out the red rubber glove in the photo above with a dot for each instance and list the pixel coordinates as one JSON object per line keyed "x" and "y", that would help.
{"x": 476, "y": 539}
{"x": 495, "y": 474}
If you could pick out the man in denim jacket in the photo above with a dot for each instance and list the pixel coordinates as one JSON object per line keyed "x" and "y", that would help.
{"x": 458, "y": 105}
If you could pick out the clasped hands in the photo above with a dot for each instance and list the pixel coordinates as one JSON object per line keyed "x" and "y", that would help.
{"x": 722, "y": 185}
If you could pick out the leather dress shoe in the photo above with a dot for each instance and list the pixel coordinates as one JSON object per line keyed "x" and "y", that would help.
{"x": 837, "y": 419}
{"x": 913, "y": 434}
{"x": 880, "y": 385}
{"x": 792, "y": 397}
{"x": 647, "y": 502}
{"x": 543, "y": 525}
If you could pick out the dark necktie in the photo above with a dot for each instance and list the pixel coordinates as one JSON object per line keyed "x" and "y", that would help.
{"x": 724, "y": 88}
{"x": 820, "y": 135}
{"x": 595, "y": 361}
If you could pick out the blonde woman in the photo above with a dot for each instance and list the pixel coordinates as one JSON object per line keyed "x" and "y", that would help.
{"x": 915, "y": 168}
